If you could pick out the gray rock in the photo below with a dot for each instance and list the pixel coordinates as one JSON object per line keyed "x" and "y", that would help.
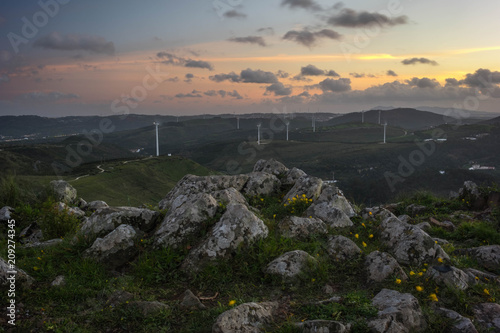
{"x": 63, "y": 191}
{"x": 407, "y": 219}
{"x": 323, "y": 326}
{"x": 460, "y": 324}
{"x": 7, "y": 276}
{"x": 116, "y": 248}
{"x": 105, "y": 220}
{"x": 261, "y": 183}
{"x": 425, "y": 226}
{"x": 72, "y": 211}
{"x": 6, "y": 213}
{"x": 447, "y": 225}
{"x": 398, "y": 313}
{"x": 229, "y": 196}
{"x": 440, "y": 241}
{"x": 32, "y": 234}
{"x": 408, "y": 244}
{"x": 44, "y": 245}
{"x": 82, "y": 204}
{"x": 292, "y": 176}
{"x": 487, "y": 256}
{"x": 59, "y": 281}
{"x": 332, "y": 216}
{"x": 189, "y": 300}
{"x": 238, "y": 226}
{"x": 291, "y": 264}
{"x": 246, "y": 318}
{"x": 190, "y": 185}
{"x": 476, "y": 276}
{"x": 301, "y": 227}
{"x": 471, "y": 194}
{"x": 308, "y": 185}
{"x": 415, "y": 209}
{"x": 270, "y": 166}
{"x": 487, "y": 316}
{"x": 119, "y": 297}
{"x": 149, "y": 308}
{"x": 97, "y": 204}
{"x": 335, "y": 198}
{"x": 342, "y": 248}
{"x": 380, "y": 266}
{"x": 449, "y": 276}
{"x": 185, "y": 220}
{"x": 375, "y": 213}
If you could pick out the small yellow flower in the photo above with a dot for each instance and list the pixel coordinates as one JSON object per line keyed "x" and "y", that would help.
{"x": 436, "y": 242}
{"x": 412, "y": 273}
{"x": 312, "y": 280}
{"x": 398, "y": 281}
{"x": 486, "y": 291}
{"x": 424, "y": 270}
{"x": 371, "y": 236}
{"x": 420, "y": 273}
{"x": 303, "y": 195}
{"x": 477, "y": 279}
{"x": 364, "y": 244}
{"x": 433, "y": 297}
{"x": 419, "y": 288}
{"x": 274, "y": 216}
{"x": 370, "y": 213}
{"x": 35, "y": 268}
{"x": 440, "y": 260}
{"x": 364, "y": 226}
{"x": 261, "y": 199}
{"x": 39, "y": 258}
{"x": 232, "y": 302}
{"x": 357, "y": 236}
{"x": 426, "y": 264}
{"x": 310, "y": 217}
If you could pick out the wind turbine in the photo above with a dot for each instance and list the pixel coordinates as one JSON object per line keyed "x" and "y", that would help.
{"x": 287, "y": 123}
{"x": 385, "y": 128}
{"x": 258, "y": 133}
{"x": 157, "y": 143}
{"x": 379, "y": 116}
{"x": 237, "y": 122}
{"x": 363, "y": 116}
{"x": 314, "y": 123}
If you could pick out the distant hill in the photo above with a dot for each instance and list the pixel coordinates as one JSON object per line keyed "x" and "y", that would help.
{"x": 491, "y": 121}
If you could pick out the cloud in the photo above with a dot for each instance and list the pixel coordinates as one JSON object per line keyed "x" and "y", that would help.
{"x": 233, "y": 77}
{"x": 391, "y": 73}
{"x": 413, "y": 61}
{"x": 311, "y": 70}
{"x": 53, "y": 96}
{"x": 332, "y": 73}
{"x": 268, "y": 31}
{"x": 210, "y": 93}
{"x": 193, "y": 94}
{"x": 304, "y": 4}
{"x": 93, "y": 44}
{"x": 234, "y": 14}
{"x": 424, "y": 82}
{"x": 189, "y": 77}
{"x": 451, "y": 82}
{"x": 301, "y": 78}
{"x": 339, "y": 85}
{"x": 481, "y": 78}
{"x": 308, "y": 38}
{"x": 234, "y": 94}
{"x": 282, "y": 74}
{"x": 357, "y": 75}
{"x": 4, "y": 78}
{"x": 351, "y": 19}
{"x": 172, "y": 59}
{"x": 249, "y": 39}
{"x": 279, "y": 89}
{"x": 257, "y": 76}
{"x": 222, "y": 93}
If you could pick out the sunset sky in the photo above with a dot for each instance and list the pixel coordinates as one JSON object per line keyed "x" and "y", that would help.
{"x": 172, "y": 57}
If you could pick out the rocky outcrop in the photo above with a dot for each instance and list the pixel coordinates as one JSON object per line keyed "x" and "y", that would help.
{"x": 190, "y": 301}
{"x": 72, "y": 211}
{"x": 116, "y": 248}
{"x": 487, "y": 256}
{"x": 261, "y": 184}
{"x": 459, "y": 323}
{"x": 449, "y": 276}
{"x": 323, "y": 326}
{"x": 292, "y": 176}
{"x": 380, "y": 266}
{"x": 230, "y": 195}
{"x": 11, "y": 274}
{"x": 238, "y": 226}
{"x": 271, "y": 166}
{"x": 398, "y": 313}
{"x": 246, "y": 318}
{"x": 291, "y": 264}
{"x": 332, "y": 207}
{"x": 342, "y": 248}
{"x": 63, "y": 191}
{"x": 408, "y": 244}
{"x": 487, "y": 316}
{"x": 6, "y": 213}
{"x": 97, "y": 204}
{"x": 308, "y": 185}
{"x": 301, "y": 227}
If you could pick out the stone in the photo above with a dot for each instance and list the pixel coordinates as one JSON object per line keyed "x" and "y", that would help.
{"x": 191, "y": 184}
{"x": 292, "y": 176}
{"x": 398, "y": 313}
{"x": 261, "y": 184}
{"x": 97, "y": 204}
{"x": 118, "y": 297}
{"x": 308, "y": 185}
{"x": 229, "y": 196}
{"x": 149, "y": 308}
{"x": 374, "y": 213}
{"x": 72, "y": 211}
{"x": 476, "y": 276}
{"x": 44, "y": 245}
{"x": 185, "y": 220}
{"x": 291, "y": 264}
{"x": 63, "y": 191}
{"x": 408, "y": 244}
{"x": 82, "y": 204}
{"x": 440, "y": 241}
{"x": 342, "y": 248}
{"x": 407, "y": 219}
{"x": 487, "y": 316}
{"x": 459, "y": 323}
{"x": 237, "y": 227}
{"x": 116, "y": 248}
{"x": 301, "y": 227}
{"x": 59, "y": 281}
{"x": 246, "y": 318}
{"x": 7, "y": 277}
{"x": 447, "y": 225}
{"x": 32, "y": 234}
{"x": 270, "y": 166}
{"x": 6, "y": 213}
{"x": 425, "y": 226}
{"x": 487, "y": 256}
{"x": 380, "y": 266}
{"x": 332, "y": 216}
{"x": 323, "y": 326}
{"x": 105, "y": 220}
{"x": 415, "y": 209}
{"x": 335, "y": 199}
{"x": 449, "y": 276}
{"x": 189, "y": 300}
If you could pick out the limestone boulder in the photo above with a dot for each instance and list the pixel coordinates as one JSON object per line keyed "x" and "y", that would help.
{"x": 246, "y": 318}
{"x": 270, "y": 166}
{"x": 301, "y": 227}
{"x": 63, "y": 191}
{"x": 381, "y": 266}
{"x": 261, "y": 184}
{"x": 341, "y": 248}
{"x": 291, "y": 264}
{"x": 308, "y": 185}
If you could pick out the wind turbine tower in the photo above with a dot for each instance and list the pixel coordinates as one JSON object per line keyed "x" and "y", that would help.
{"x": 287, "y": 123}
{"x": 258, "y": 133}
{"x": 379, "y": 116}
{"x": 157, "y": 142}
{"x": 385, "y": 129}
{"x": 237, "y": 122}
{"x": 362, "y": 117}
{"x": 314, "y": 123}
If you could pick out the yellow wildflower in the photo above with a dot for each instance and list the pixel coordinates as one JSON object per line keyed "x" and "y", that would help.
{"x": 433, "y": 297}
{"x": 419, "y": 288}
{"x": 370, "y": 213}
{"x": 357, "y": 236}
{"x": 274, "y": 216}
{"x": 371, "y": 236}
{"x": 420, "y": 274}
{"x": 440, "y": 259}
{"x": 364, "y": 226}
{"x": 364, "y": 244}
{"x": 398, "y": 281}
{"x": 412, "y": 273}
{"x": 39, "y": 258}
{"x": 232, "y": 302}
{"x": 486, "y": 291}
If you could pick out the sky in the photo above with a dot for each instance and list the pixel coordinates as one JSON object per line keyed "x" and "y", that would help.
{"x": 171, "y": 57}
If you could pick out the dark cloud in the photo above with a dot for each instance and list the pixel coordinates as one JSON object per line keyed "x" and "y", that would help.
{"x": 193, "y": 94}
{"x": 173, "y": 79}
{"x": 234, "y": 94}
{"x": 311, "y": 70}
{"x": 481, "y": 78}
{"x": 413, "y": 61}
{"x": 308, "y": 38}
{"x": 332, "y": 73}
{"x": 279, "y": 89}
{"x": 305, "y": 94}
{"x": 93, "y": 44}
{"x": 268, "y": 31}
{"x": 301, "y": 78}
{"x": 257, "y": 76}
{"x": 234, "y": 14}
{"x": 249, "y": 40}
{"x": 189, "y": 77}
{"x": 304, "y": 4}
{"x": 451, "y": 82}
{"x": 233, "y": 77}
{"x": 391, "y": 73}
{"x": 210, "y": 93}
{"x": 339, "y": 85}
{"x": 53, "y": 96}
{"x": 222, "y": 93}
{"x": 282, "y": 74}
{"x": 424, "y": 82}
{"x": 172, "y": 59}
{"x": 352, "y": 19}
{"x": 357, "y": 75}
